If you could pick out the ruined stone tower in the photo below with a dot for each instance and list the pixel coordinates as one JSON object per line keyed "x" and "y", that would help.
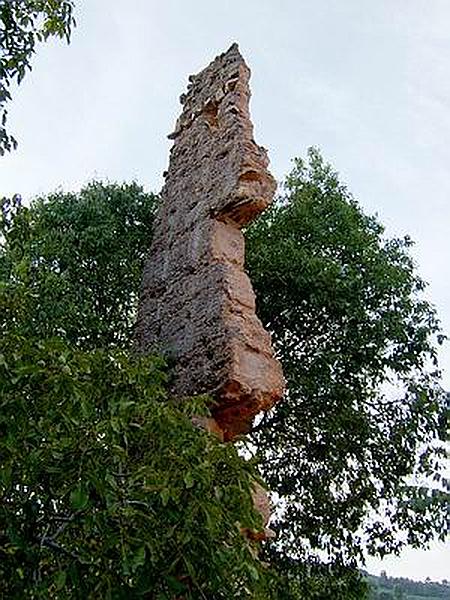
{"x": 196, "y": 302}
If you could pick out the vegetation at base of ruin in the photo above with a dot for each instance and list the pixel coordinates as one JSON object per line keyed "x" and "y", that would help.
{"x": 355, "y": 449}
{"x": 347, "y": 313}
{"x": 23, "y": 24}
{"x": 106, "y": 488}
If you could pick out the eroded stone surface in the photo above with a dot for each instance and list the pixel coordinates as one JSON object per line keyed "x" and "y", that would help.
{"x": 197, "y": 302}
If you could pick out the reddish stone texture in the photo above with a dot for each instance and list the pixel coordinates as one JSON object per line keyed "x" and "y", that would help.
{"x": 197, "y": 302}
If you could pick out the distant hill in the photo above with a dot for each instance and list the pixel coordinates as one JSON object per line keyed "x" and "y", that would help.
{"x": 400, "y": 588}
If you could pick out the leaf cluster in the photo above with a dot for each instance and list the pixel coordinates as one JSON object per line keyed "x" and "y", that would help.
{"x": 23, "y": 24}
{"x": 314, "y": 579}
{"x": 80, "y": 258}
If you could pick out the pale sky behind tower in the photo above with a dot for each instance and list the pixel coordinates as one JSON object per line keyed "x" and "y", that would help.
{"x": 367, "y": 82}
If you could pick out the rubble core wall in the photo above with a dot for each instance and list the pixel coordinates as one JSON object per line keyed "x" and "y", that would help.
{"x": 197, "y": 303}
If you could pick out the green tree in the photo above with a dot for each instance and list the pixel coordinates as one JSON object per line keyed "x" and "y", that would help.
{"x": 399, "y": 594}
{"x": 346, "y": 309}
{"x": 295, "y": 579}
{"x": 81, "y": 258}
{"x": 106, "y": 488}
{"x": 364, "y": 409}
{"x": 23, "y": 24}
{"x": 348, "y": 316}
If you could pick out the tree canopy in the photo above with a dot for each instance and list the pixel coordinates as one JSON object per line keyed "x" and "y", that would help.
{"x": 23, "y": 24}
{"x": 80, "y": 256}
{"x": 350, "y": 451}
{"x": 354, "y": 445}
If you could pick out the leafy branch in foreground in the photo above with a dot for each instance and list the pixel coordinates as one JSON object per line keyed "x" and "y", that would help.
{"x": 106, "y": 488}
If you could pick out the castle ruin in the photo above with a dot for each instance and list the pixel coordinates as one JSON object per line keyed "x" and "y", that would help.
{"x": 197, "y": 303}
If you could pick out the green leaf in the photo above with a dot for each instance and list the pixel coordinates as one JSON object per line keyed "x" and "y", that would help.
{"x": 165, "y": 496}
{"x": 138, "y": 558}
{"x": 60, "y": 579}
{"x": 79, "y": 498}
{"x": 188, "y": 480}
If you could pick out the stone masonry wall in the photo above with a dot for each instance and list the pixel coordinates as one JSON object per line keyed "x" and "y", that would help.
{"x": 196, "y": 302}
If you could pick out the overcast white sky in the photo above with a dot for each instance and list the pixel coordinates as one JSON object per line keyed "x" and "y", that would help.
{"x": 368, "y": 82}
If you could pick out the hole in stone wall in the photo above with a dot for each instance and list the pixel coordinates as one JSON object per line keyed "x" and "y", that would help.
{"x": 210, "y": 113}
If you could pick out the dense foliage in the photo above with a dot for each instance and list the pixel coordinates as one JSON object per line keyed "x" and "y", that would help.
{"x": 23, "y": 24}
{"x": 80, "y": 257}
{"x": 364, "y": 410}
{"x": 107, "y": 490}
